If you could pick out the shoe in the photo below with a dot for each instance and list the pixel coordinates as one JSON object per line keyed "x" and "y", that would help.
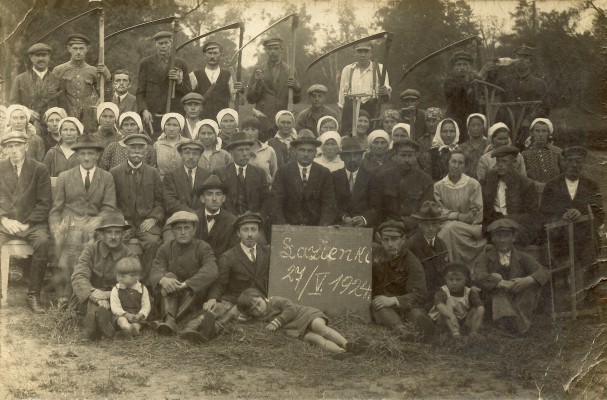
{"x": 33, "y": 302}
{"x": 104, "y": 322}
{"x": 168, "y": 327}
{"x": 90, "y": 327}
{"x": 135, "y": 331}
{"x": 62, "y": 303}
{"x": 357, "y": 346}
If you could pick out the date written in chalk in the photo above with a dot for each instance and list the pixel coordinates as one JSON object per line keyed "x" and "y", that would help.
{"x": 309, "y": 282}
{"x": 324, "y": 251}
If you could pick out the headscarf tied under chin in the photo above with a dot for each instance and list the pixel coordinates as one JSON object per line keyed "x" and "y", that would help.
{"x": 281, "y": 113}
{"x": 134, "y": 116}
{"x": 227, "y": 111}
{"x": 494, "y": 128}
{"x": 330, "y": 135}
{"x": 107, "y": 106}
{"x": 378, "y": 133}
{"x": 14, "y": 107}
{"x": 204, "y": 122}
{"x": 322, "y": 120}
{"x": 437, "y": 141}
{"x": 476, "y": 115}
{"x": 177, "y": 116}
{"x": 403, "y": 126}
{"x": 73, "y": 120}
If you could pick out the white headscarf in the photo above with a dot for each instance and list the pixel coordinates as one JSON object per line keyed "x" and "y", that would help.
{"x": 492, "y": 130}
{"x": 177, "y": 116}
{"x": 481, "y": 116}
{"x": 55, "y": 110}
{"x": 330, "y": 135}
{"x": 208, "y": 122}
{"x": 545, "y": 121}
{"x": 108, "y": 105}
{"x": 438, "y": 140}
{"x": 14, "y": 107}
{"x": 404, "y": 126}
{"x": 281, "y": 113}
{"x": 321, "y": 120}
{"x": 76, "y": 122}
{"x": 225, "y": 112}
{"x": 378, "y": 133}
{"x": 131, "y": 114}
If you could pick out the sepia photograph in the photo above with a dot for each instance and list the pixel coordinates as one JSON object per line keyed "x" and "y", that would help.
{"x": 316, "y": 199}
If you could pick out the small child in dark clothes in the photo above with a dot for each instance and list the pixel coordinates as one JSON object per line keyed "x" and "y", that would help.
{"x": 455, "y": 302}
{"x": 129, "y": 300}
{"x": 296, "y": 320}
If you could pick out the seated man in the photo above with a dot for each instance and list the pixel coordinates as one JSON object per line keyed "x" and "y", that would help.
{"x": 183, "y": 270}
{"x": 95, "y": 275}
{"x": 139, "y": 198}
{"x": 216, "y": 225}
{"x": 25, "y": 201}
{"x": 511, "y": 277}
{"x": 399, "y": 285}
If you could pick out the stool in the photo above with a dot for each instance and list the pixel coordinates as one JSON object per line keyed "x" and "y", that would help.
{"x": 16, "y": 248}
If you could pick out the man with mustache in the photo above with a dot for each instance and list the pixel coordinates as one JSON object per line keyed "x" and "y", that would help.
{"x": 122, "y": 98}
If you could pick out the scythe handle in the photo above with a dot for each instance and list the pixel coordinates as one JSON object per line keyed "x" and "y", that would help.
{"x": 294, "y": 23}
{"x": 239, "y": 66}
{"x": 171, "y": 91}
{"x": 101, "y": 54}
{"x": 382, "y": 80}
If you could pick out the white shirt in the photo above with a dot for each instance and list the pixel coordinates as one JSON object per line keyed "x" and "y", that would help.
{"x": 40, "y": 74}
{"x": 187, "y": 171}
{"x": 288, "y": 139}
{"x": 362, "y": 82}
{"x": 212, "y": 75}
{"x": 19, "y": 167}
{"x": 91, "y": 173}
{"x": 190, "y": 128}
{"x": 504, "y": 258}
{"x": 307, "y": 171}
{"x": 500, "y": 199}
{"x": 572, "y": 187}
{"x": 244, "y": 169}
{"x": 211, "y": 223}
{"x": 247, "y": 251}
{"x": 121, "y": 98}
{"x": 430, "y": 241}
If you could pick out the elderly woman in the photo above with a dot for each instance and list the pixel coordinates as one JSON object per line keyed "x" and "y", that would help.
{"x": 326, "y": 124}
{"x": 107, "y": 115}
{"x": 18, "y": 120}
{"x": 389, "y": 119}
{"x": 378, "y": 155}
{"x": 167, "y": 156}
{"x": 462, "y": 198}
{"x": 543, "y": 160}
{"x": 330, "y": 147}
{"x": 444, "y": 142}
{"x": 61, "y": 157}
{"x": 498, "y": 136}
{"x": 476, "y": 144}
{"x": 213, "y": 156}
{"x": 363, "y": 124}
{"x": 116, "y": 152}
{"x": 50, "y": 120}
{"x": 228, "y": 125}
{"x": 262, "y": 155}
{"x": 281, "y": 142}
{"x": 400, "y": 132}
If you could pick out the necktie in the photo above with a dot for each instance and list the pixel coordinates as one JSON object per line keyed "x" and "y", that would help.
{"x": 242, "y": 192}
{"x": 252, "y": 250}
{"x": 351, "y": 182}
{"x": 304, "y": 176}
{"x": 190, "y": 173}
{"x": 16, "y": 170}
{"x": 87, "y": 181}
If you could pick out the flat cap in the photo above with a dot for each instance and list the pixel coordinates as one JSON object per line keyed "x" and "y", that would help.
{"x": 504, "y": 151}
{"x": 190, "y": 144}
{"x": 270, "y": 41}
{"x": 162, "y": 34}
{"x": 524, "y": 50}
{"x": 182, "y": 216}
{"x": 575, "y": 151}
{"x": 136, "y": 138}
{"x": 78, "y": 38}
{"x": 462, "y": 55}
{"x": 13, "y": 137}
{"x": 407, "y": 142}
{"x": 212, "y": 182}
{"x": 192, "y": 97}
{"x": 305, "y": 136}
{"x": 113, "y": 220}
{"x": 410, "y": 93}
{"x": 40, "y": 48}
{"x": 248, "y": 218}
{"x": 365, "y": 45}
{"x": 503, "y": 224}
{"x": 350, "y": 144}
{"x": 317, "y": 88}
{"x": 392, "y": 227}
{"x": 211, "y": 45}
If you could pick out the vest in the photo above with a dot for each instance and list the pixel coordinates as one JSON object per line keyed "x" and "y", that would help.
{"x": 459, "y": 305}
{"x": 130, "y": 300}
{"x": 218, "y": 98}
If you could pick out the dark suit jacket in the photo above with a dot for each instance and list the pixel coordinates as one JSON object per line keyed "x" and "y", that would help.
{"x": 434, "y": 259}
{"x": 257, "y": 189}
{"x": 38, "y": 95}
{"x": 293, "y": 206}
{"x": 353, "y": 204}
{"x": 237, "y": 273}
{"x": 521, "y": 198}
{"x": 153, "y": 85}
{"x": 129, "y": 103}
{"x": 28, "y": 198}
{"x": 556, "y": 200}
{"x": 222, "y": 236}
{"x": 178, "y": 194}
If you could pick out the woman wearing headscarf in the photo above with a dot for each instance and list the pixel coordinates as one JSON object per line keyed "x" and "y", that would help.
{"x": 400, "y": 132}
{"x": 476, "y": 144}
{"x": 116, "y": 152}
{"x": 363, "y": 125}
{"x": 543, "y": 160}
{"x": 18, "y": 120}
{"x": 330, "y": 147}
{"x": 378, "y": 155}
{"x": 213, "y": 156}
{"x": 61, "y": 157}
{"x": 281, "y": 142}
{"x": 228, "y": 125}
{"x": 326, "y": 124}
{"x": 389, "y": 119}
{"x": 107, "y": 115}
{"x": 498, "y": 136}
{"x": 167, "y": 156}
{"x": 262, "y": 155}
{"x": 50, "y": 121}
{"x": 445, "y": 140}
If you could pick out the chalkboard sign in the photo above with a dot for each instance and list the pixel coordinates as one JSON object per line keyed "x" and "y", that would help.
{"x": 323, "y": 267}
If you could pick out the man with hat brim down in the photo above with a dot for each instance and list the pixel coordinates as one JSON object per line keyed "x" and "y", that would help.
{"x": 153, "y": 83}
{"x": 399, "y": 285}
{"x": 351, "y": 185}
{"x": 269, "y": 86}
{"x": 244, "y": 266}
{"x": 216, "y": 226}
{"x": 25, "y": 201}
{"x": 411, "y": 114}
{"x": 79, "y": 82}
{"x": 216, "y": 85}
{"x": 302, "y": 191}
{"x": 510, "y": 277}
{"x": 308, "y": 118}
{"x": 37, "y": 88}
{"x": 182, "y": 272}
{"x": 83, "y": 195}
{"x": 567, "y": 198}
{"x": 192, "y": 107}
{"x": 95, "y": 275}
{"x": 139, "y": 198}
{"x": 506, "y": 193}
{"x": 361, "y": 77}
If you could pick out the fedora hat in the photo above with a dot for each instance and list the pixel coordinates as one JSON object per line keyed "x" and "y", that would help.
{"x": 430, "y": 211}
{"x": 86, "y": 141}
{"x": 238, "y": 138}
{"x": 305, "y": 136}
{"x": 113, "y": 220}
{"x": 212, "y": 182}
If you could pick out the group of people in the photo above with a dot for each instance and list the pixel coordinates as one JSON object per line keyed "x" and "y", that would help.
{"x": 199, "y": 190}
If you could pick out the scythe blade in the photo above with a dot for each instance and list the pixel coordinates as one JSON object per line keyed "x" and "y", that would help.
{"x": 345, "y": 46}
{"x": 223, "y": 28}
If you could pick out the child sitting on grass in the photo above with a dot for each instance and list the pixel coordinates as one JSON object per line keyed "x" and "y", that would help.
{"x": 298, "y": 321}
{"x": 455, "y": 303}
{"x": 129, "y": 300}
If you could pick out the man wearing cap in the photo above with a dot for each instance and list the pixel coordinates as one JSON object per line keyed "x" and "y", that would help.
{"x": 182, "y": 272}
{"x": 82, "y": 196}
{"x": 182, "y": 184}
{"x": 192, "y": 107}
{"x": 302, "y": 191}
{"x": 308, "y": 118}
{"x": 122, "y": 98}
{"x": 139, "y": 198}
{"x": 216, "y": 225}
{"x": 95, "y": 275}
{"x": 351, "y": 185}
{"x": 25, "y": 201}
{"x": 399, "y": 285}
{"x": 511, "y": 278}
{"x": 216, "y": 85}
{"x": 37, "y": 88}
{"x": 79, "y": 82}
{"x": 361, "y": 77}
{"x": 411, "y": 114}
{"x": 269, "y": 86}
{"x": 153, "y": 83}
{"x": 506, "y": 193}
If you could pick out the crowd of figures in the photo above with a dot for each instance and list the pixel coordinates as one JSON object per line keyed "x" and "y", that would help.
{"x": 452, "y": 201}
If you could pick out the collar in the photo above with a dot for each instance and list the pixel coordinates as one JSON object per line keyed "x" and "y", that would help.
{"x": 121, "y": 97}
{"x": 289, "y": 138}
{"x": 508, "y": 253}
{"x": 19, "y": 165}
{"x": 78, "y": 64}
{"x": 570, "y": 182}
{"x": 133, "y": 167}
{"x": 84, "y": 171}
{"x": 206, "y": 68}
{"x": 187, "y": 170}
{"x": 41, "y": 74}
{"x": 136, "y": 287}
{"x": 354, "y": 173}
{"x": 207, "y": 213}
{"x": 302, "y": 167}
{"x": 244, "y": 169}
{"x": 368, "y": 67}
{"x": 247, "y": 250}
{"x": 462, "y": 181}
{"x": 105, "y": 251}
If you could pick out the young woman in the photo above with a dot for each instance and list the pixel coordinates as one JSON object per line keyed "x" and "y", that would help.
{"x": 50, "y": 120}
{"x": 362, "y": 129}
{"x": 263, "y": 156}
{"x": 499, "y": 135}
{"x": 167, "y": 156}
{"x": 228, "y": 125}
{"x": 281, "y": 142}
{"x": 444, "y": 142}
{"x": 475, "y": 146}
{"x": 378, "y": 155}
{"x": 213, "y": 157}
{"x": 61, "y": 157}
{"x": 18, "y": 120}
{"x": 331, "y": 143}
{"x": 326, "y": 124}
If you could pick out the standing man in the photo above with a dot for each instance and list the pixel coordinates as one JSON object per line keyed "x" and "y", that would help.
{"x": 37, "y": 88}
{"x": 121, "y": 97}
{"x": 192, "y": 107}
{"x": 269, "y": 86}
{"x": 25, "y": 201}
{"x": 411, "y": 114}
{"x": 308, "y": 118}
{"x": 216, "y": 85}
{"x": 153, "y": 83}
{"x": 79, "y": 82}
{"x": 361, "y": 77}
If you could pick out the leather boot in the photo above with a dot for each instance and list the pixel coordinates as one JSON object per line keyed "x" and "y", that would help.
{"x": 200, "y": 329}
{"x": 33, "y": 302}
{"x": 90, "y": 327}
{"x": 169, "y": 326}
{"x": 103, "y": 317}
